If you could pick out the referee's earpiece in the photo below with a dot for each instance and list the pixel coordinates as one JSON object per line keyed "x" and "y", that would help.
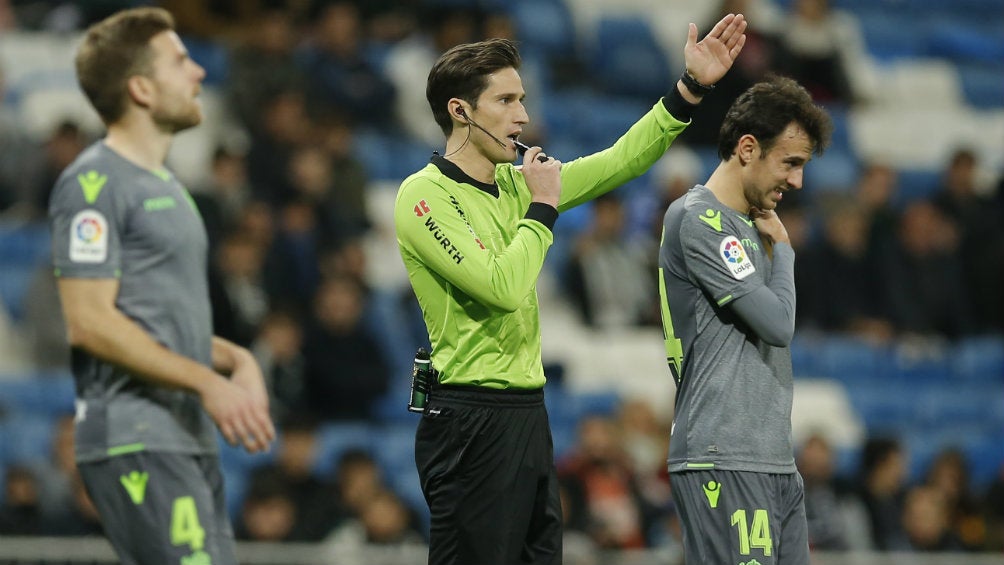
{"x": 461, "y": 112}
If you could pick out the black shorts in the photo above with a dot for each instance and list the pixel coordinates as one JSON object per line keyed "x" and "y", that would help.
{"x": 741, "y": 518}
{"x": 486, "y": 464}
{"x": 162, "y": 507}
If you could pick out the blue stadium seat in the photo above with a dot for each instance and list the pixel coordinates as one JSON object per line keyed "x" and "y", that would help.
{"x": 884, "y": 407}
{"x": 235, "y": 460}
{"x": 24, "y": 248}
{"x": 985, "y": 455}
{"x": 393, "y": 446}
{"x": 915, "y": 184}
{"x": 979, "y": 360}
{"x": 927, "y": 367}
{"x": 28, "y": 437}
{"x": 544, "y": 28}
{"x": 950, "y": 404}
{"x": 960, "y": 8}
{"x": 389, "y": 157}
{"x": 628, "y": 60}
{"x": 14, "y": 283}
{"x": 983, "y": 85}
{"x": 564, "y": 435}
{"x": 24, "y": 244}
{"x": 984, "y": 450}
{"x": 964, "y": 41}
{"x": 886, "y": 38}
{"x": 212, "y": 56}
{"x": 374, "y": 150}
{"x": 44, "y": 395}
{"x": 335, "y": 438}
{"x": 851, "y": 361}
{"x": 235, "y": 485}
{"x": 833, "y": 171}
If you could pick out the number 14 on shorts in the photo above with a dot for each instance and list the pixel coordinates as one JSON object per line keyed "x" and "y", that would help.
{"x": 755, "y": 534}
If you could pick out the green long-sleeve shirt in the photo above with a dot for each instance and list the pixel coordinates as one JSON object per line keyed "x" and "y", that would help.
{"x": 474, "y": 251}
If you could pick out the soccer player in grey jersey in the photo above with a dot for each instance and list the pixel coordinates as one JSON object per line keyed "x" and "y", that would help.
{"x": 728, "y": 306}
{"x": 129, "y": 249}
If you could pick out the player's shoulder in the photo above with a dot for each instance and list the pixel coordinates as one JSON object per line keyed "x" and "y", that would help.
{"x": 699, "y": 209}
{"x": 86, "y": 177}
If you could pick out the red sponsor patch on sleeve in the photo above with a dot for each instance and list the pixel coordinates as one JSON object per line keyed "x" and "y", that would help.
{"x": 422, "y": 208}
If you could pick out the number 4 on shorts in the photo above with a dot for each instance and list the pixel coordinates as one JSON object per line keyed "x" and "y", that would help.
{"x": 185, "y": 526}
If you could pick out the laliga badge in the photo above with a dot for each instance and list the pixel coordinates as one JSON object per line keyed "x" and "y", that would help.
{"x": 89, "y": 237}
{"x": 735, "y": 258}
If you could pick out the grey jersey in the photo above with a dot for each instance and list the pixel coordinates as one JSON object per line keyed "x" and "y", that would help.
{"x": 112, "y": 219}
{"x": 733, "y": 402}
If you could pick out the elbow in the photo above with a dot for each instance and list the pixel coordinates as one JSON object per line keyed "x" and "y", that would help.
{"x": 507, "y": 300}
{"x": 779, "y": 338}
{"x": 507, "y": 304}
{"x": 79, "y": 335}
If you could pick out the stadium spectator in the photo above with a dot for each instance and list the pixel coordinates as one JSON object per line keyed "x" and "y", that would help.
{"x": 927, "y": 520}
{"x": 961, "y": 200}
{"x": 948, "y": 474}
{"x": 262, "y": 63}
{"x": 819, "y": 48}
{"x": 344, "y": 369}
{"x": 840, "y": 277}
{"x": 223, "y": 198}
{"x": 338, "y": 73}
{"x": 616, "y": 516}
{"x": 822, "y": 499}
{"x": 607, "y": 274}
{"x": 925, "y": 268}
{"x": 883, "y": 489}
{"x": 294, "y": 483}
{"x": 278, "y": 348}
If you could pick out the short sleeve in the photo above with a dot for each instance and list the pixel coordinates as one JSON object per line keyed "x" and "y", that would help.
{"x": 86, "y": 230}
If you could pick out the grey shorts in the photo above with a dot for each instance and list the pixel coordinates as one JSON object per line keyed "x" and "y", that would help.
{"x": 741, "y": 518}
{"x": 162, "y": 507}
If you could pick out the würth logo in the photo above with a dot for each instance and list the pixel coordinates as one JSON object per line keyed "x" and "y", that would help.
{"x": 422, "y": 208}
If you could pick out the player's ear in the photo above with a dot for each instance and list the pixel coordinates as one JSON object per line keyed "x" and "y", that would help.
{"x": 747, "y": 148}
{"x": 140, "y": 90}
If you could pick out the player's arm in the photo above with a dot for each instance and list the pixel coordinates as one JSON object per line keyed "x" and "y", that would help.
{"x": 629, "y": 157}
{"x": 96, "y": 326}
{"x": 430, "y": 228}
{"x": 770, "y": 309}
{"x": 236, "y": 361}
{"x": 706, "y": 61}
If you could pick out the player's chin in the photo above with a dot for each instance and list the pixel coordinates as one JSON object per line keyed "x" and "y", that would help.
{"x": 189, "y": 121}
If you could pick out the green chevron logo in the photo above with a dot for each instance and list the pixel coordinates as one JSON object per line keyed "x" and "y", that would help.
{"x": 713, "y": 219}
{"x": 135, "y": 485}
{"x": 712, "y": 490}
{"x": 91, "y": 183}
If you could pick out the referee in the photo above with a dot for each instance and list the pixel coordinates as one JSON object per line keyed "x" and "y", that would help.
{"x": 473, "y": 230}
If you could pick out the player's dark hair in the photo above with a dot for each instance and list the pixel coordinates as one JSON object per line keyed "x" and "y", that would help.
{"x": 115, "y": 49}
{"x": 462, "y": 72}
{"x": 766, "y": 109}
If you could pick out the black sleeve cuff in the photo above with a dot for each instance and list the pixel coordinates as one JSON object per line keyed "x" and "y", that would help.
{"x": 543, "y": 213}
{"x": 677, "y": 107}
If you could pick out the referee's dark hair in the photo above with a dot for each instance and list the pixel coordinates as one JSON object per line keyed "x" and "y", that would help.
{"x": 462, "y": 72}
{"x": 766, "y": 109}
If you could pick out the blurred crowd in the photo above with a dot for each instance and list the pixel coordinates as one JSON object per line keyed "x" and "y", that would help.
{"x": 291, "y": 229}
{"x": 614, "y": 489}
